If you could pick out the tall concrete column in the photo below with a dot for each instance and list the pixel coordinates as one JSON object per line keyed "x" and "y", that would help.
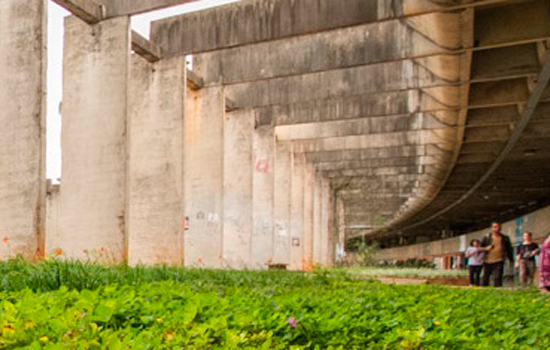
{"x": 327, "y": 224}
{"x": 282, "y": 188}
{"x": 318, "y": 220}
{"x": 155, "y": 181}
{"x": 308, "y": 217}
{"x": 263, "y": 187}
{"x": 22, "y": 126}
{"x": 94, "y": 137}
{"x": 203, "y": 176}
{"x": 297, "y": 211}
{"x": 340, "y": 248}
{"x": 237, "y": 188}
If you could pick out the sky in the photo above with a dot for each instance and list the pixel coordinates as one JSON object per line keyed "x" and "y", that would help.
{"x": 56, "y": 14}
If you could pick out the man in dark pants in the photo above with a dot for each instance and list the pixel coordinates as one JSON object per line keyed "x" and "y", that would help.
{"x": 499, "y": 248}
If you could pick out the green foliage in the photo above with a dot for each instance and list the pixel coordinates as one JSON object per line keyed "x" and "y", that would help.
{"x": 168, "y": 308}
{"x": 389, "y": 271}
{"x": 50, "y": 275}
{"x": 413, "y": 263}
{"x": 365, "y": 255}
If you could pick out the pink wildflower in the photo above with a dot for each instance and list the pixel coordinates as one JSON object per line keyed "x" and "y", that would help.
{"x": 292, "y": 322}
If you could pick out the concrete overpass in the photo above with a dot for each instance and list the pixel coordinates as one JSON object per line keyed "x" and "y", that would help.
{"x": 303, "y": 124}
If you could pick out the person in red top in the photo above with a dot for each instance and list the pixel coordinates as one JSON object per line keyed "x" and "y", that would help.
{"x": 545, "y": 266}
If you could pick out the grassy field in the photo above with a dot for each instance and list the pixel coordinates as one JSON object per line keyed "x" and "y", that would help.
{"x": 405, "y": 272}
{"x": 55, "y": 305}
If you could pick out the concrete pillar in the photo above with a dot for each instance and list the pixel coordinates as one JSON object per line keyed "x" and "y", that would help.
{"x": 22, "y": 126}
{"x": 93, "y": 189}
{"x": 297, "y": 211}
{"x": 318, "y": 220}
{"x": 203, "y": 176}
{"x": 282, "y": 188}
{"x": 327, "y": 224}
{"x": 155, "y": 215}
{"x": 308, "y": 217}
{"x": 52, "y": 236}
{"x": 237, "y": 188}
{"x": 340, "y": 249}
{"x": 263, "y": 177}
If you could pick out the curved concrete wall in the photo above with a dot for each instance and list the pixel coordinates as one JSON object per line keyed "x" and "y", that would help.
{"x": 537, "y": 222}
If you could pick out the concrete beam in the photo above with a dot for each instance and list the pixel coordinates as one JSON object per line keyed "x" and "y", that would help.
{"x": 444, "y": 138}
{"x": 369, "y": 153}
{"x": 377, "y": 163}
{"x": 94, "y": 11}
{"x": 499, "y": 93}
{"x": 518, "y": 22}
{"x": 385, "y": 77}
{"x": 194, "y": 82}
{"x": 230, "y": 106}
{"x": 384, "y": 171}
{"x": 496, "y": 63}
{"x": 117, "y": 8}
{"x": 265, "y": 20}
{"x": 145, "y": 48}
{"x": 89, "y": 11}
{"x": 324, "y": 51}
{"x": 359, "y": 181}
{"x": 362, "y": 126}
{"x": 504, "y": 115}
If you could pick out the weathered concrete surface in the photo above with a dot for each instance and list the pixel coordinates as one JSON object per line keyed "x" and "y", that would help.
{"x": 263, "y": 197}
{"x": 318, "y": 205}
{"x": 203, "y": 176}
{"x": 237, "y": 189}
{"x": 266, "y": 20}
{"x": 324, "y": 51}
{"x": 255, "y": 22}
{"x": 297, "y": 189}
{"x": 282, "y": 204}
{"x": 22, "y": 126}
{"x": 362, "y": 126}
{"x": 52, "y": 236}
{"x": 327, "y": 225}
{"x": 115, "y": 8}
{"x": 536, "y": 222}
{"x": 308, "y": 217}
{"x": 386, "y": 77}
{"x": 442, "y": 137}
{"x": 155, "y": 181}
{"x": 93, "y": 194}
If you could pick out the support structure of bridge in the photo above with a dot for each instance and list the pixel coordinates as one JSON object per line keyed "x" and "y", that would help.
{"x": 303, "y": 126}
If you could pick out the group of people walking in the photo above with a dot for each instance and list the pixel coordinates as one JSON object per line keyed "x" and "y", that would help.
{"x": 489, "y": 254}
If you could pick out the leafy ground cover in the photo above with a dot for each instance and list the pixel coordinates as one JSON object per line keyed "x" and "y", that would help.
{"x": 405, "y": 272}
{"x": 168, "y": 308}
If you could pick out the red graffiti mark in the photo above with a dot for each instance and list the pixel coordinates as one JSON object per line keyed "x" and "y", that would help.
{"x": 262, "y": 166}
{"x": 185, "y": 223}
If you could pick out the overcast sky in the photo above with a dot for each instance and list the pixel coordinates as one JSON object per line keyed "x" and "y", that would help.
{"x": 55, "y": 68}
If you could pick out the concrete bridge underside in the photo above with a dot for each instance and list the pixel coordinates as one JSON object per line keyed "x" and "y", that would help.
{"x": 303, "y": 125}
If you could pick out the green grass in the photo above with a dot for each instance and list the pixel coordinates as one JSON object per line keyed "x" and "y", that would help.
{"x": 84, "y": 306}
{"x": 50, "y": 275}
{"x": 405, "y": 272}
